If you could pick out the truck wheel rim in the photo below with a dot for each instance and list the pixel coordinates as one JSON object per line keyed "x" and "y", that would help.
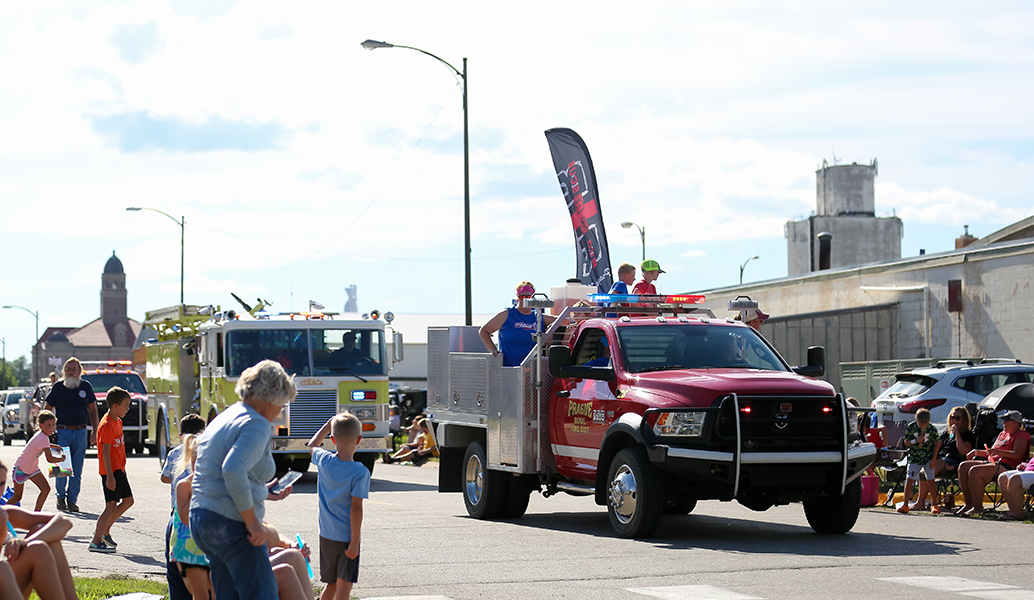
{"x": 475, "y": 480}
{"x": 623, "y": 494}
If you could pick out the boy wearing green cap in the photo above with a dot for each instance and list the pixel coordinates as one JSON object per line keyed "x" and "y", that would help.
{"x": 651, "y": 271}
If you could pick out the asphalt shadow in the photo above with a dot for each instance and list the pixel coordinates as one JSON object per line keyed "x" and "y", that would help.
{"x": 381, "y": 485}
{"x": 748, "y": 536}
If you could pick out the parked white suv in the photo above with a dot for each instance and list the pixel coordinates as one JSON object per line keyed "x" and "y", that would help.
{"x": 941, "y": 388}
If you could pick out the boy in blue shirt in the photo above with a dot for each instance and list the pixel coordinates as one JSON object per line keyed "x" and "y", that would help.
{"x": 342, "y": 485}
{"x": 626, "y": 277}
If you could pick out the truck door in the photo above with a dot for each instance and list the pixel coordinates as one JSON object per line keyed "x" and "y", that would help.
{"x": 579, "y": 420}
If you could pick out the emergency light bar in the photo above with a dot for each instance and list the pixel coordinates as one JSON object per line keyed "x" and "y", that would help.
{"x": 651, "y": 298}
{"x": 742, "y": 303}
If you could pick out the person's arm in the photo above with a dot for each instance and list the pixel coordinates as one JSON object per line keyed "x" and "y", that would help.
{"x": 41, "y": 526}
{"x": 91, "y": 408}
{"x": 48, "y": 452}
{"x": 962, "y": 445}
{"x": 493, "y": 325}
{"x": 317, "y": 439}
{"x": 109, "y": 479}
{"x": 183, "y": 495}
{"x": 1011, "y": 454}
{"x": 251, "y": 446}
{"x": 356, "y": 516}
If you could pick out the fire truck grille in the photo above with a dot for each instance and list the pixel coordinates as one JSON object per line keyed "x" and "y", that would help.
{"x": 785, "y": 424}
{"x": 310, "y": 410}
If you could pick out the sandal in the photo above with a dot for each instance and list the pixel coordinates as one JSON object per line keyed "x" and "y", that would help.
{"x": 1009, "y": 517}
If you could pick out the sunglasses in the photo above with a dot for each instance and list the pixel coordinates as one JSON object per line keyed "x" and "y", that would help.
{"x": 956, "y": 417}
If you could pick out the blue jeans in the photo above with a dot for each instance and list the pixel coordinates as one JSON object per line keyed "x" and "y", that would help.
{"x": 240, "y": 571}
{"x": 76, "y": 440}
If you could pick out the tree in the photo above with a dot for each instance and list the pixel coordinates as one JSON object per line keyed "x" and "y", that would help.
{"x": 7, "y": 377}
{"x": 22, "y": 371}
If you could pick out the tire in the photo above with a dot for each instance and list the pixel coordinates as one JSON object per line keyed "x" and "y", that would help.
{"x": 518, "y": 493}
{"x": 835, "y": 515}
{"x": 368, "y": 459}
{"x": 301, "y": 464}
{"x": 160, "y": 443}
{"x": 483, "y": 489}
{"x": 679, "y": 507}
{"x": 635, "y": 496}
{"x": 7, "y": 438}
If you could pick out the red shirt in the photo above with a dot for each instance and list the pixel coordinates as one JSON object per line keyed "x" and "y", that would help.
{"x": 110, "y": 432}
{"x": 641, "y": 287}
{"x": 1019, "y": 441}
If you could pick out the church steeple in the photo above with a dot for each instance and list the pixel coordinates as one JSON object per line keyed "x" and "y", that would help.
{"x": 113, "y": 293}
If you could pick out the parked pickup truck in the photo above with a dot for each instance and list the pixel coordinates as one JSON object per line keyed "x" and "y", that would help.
{"x": 648, "y": 409}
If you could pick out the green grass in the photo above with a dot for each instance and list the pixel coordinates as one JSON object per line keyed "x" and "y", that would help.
{"x": 114, "y": 584}
{"x": 98, "y": 588}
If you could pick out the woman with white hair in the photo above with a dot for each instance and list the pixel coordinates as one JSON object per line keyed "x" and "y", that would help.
{"x": 234, "y": 464}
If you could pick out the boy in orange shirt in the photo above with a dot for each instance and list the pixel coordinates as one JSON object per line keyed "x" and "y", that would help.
{"x": 111, "y": 450}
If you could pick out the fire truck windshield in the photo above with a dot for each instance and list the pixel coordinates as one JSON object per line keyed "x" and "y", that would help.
{"x": 669, "y": 347}
{"x": 334, "y": 351}
{"x": 347, "y": 351}
{"x": 102, "y": 382}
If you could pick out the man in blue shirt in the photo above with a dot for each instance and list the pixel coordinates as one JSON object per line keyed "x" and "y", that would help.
{"x": 75, "y": 405}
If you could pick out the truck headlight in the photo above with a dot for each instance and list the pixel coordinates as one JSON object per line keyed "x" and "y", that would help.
{"x": 690, "y": 424}
{"x": 364, "y": 413}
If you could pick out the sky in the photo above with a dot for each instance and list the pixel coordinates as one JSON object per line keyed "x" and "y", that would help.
{"x": 303, "y": 163}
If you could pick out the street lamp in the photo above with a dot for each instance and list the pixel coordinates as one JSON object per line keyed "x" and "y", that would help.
{"x": 373, "y": 45}
{"x": 744, "y": 266}
{"x": 34, "y": 314}
{"x": 642, "y": 234}
{"x": 182, "y": 222}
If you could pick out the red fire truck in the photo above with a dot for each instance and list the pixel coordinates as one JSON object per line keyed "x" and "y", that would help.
{"x": 647, "y": 404}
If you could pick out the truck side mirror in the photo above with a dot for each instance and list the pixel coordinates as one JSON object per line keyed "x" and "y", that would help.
{"x": 560, "y": 366}
{"x": 559, "y": 359}
{"x": 396, "y": 347}
{"x": 816, "y": 363}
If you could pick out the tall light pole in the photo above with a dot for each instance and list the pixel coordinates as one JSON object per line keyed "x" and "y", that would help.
{"x": 642, "y": 233}
{"x": 182, "y": 222}
{"x": 373, "y": 45}
{"x": 34, "y": 313}
{"x": 744, "y": 266}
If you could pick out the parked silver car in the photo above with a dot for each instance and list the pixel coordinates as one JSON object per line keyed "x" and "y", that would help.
{"x": 940, "y": 389}
{"x": 17, "y": 413}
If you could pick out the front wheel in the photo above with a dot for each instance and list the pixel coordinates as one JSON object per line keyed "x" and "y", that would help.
{"x": 635, "y": 498}
{"x": 161, "y": 443}
{"x": 483, "y": 490}
{"x": 835, "y": 515}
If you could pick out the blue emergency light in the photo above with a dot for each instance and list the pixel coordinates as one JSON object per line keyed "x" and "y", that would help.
{"x": 650, "y": 298}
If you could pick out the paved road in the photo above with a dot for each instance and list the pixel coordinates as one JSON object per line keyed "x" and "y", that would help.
{"x": 418, "y": 542}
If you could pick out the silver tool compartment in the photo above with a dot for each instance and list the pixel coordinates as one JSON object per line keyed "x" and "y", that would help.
{"x": 468, "y": 387}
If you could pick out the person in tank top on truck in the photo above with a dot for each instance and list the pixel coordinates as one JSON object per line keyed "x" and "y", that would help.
{"x": 515, "y": 326}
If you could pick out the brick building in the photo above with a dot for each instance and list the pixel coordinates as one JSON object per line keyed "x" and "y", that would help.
{"x": 108, "y": 337}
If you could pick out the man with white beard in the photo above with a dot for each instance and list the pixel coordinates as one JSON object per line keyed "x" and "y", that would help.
{"x": 73, "y": 402}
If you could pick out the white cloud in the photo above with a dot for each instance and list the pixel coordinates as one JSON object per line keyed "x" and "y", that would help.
{"x": 945, "y": 206}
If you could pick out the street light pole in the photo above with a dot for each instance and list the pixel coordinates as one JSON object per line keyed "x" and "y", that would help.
{"x": 35, "y": 314}
{"x": 182, "y": 222}
{"x": 642, "y": 233}
{"x": 744, "y": 266}
{"x": 374, "y": 45}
